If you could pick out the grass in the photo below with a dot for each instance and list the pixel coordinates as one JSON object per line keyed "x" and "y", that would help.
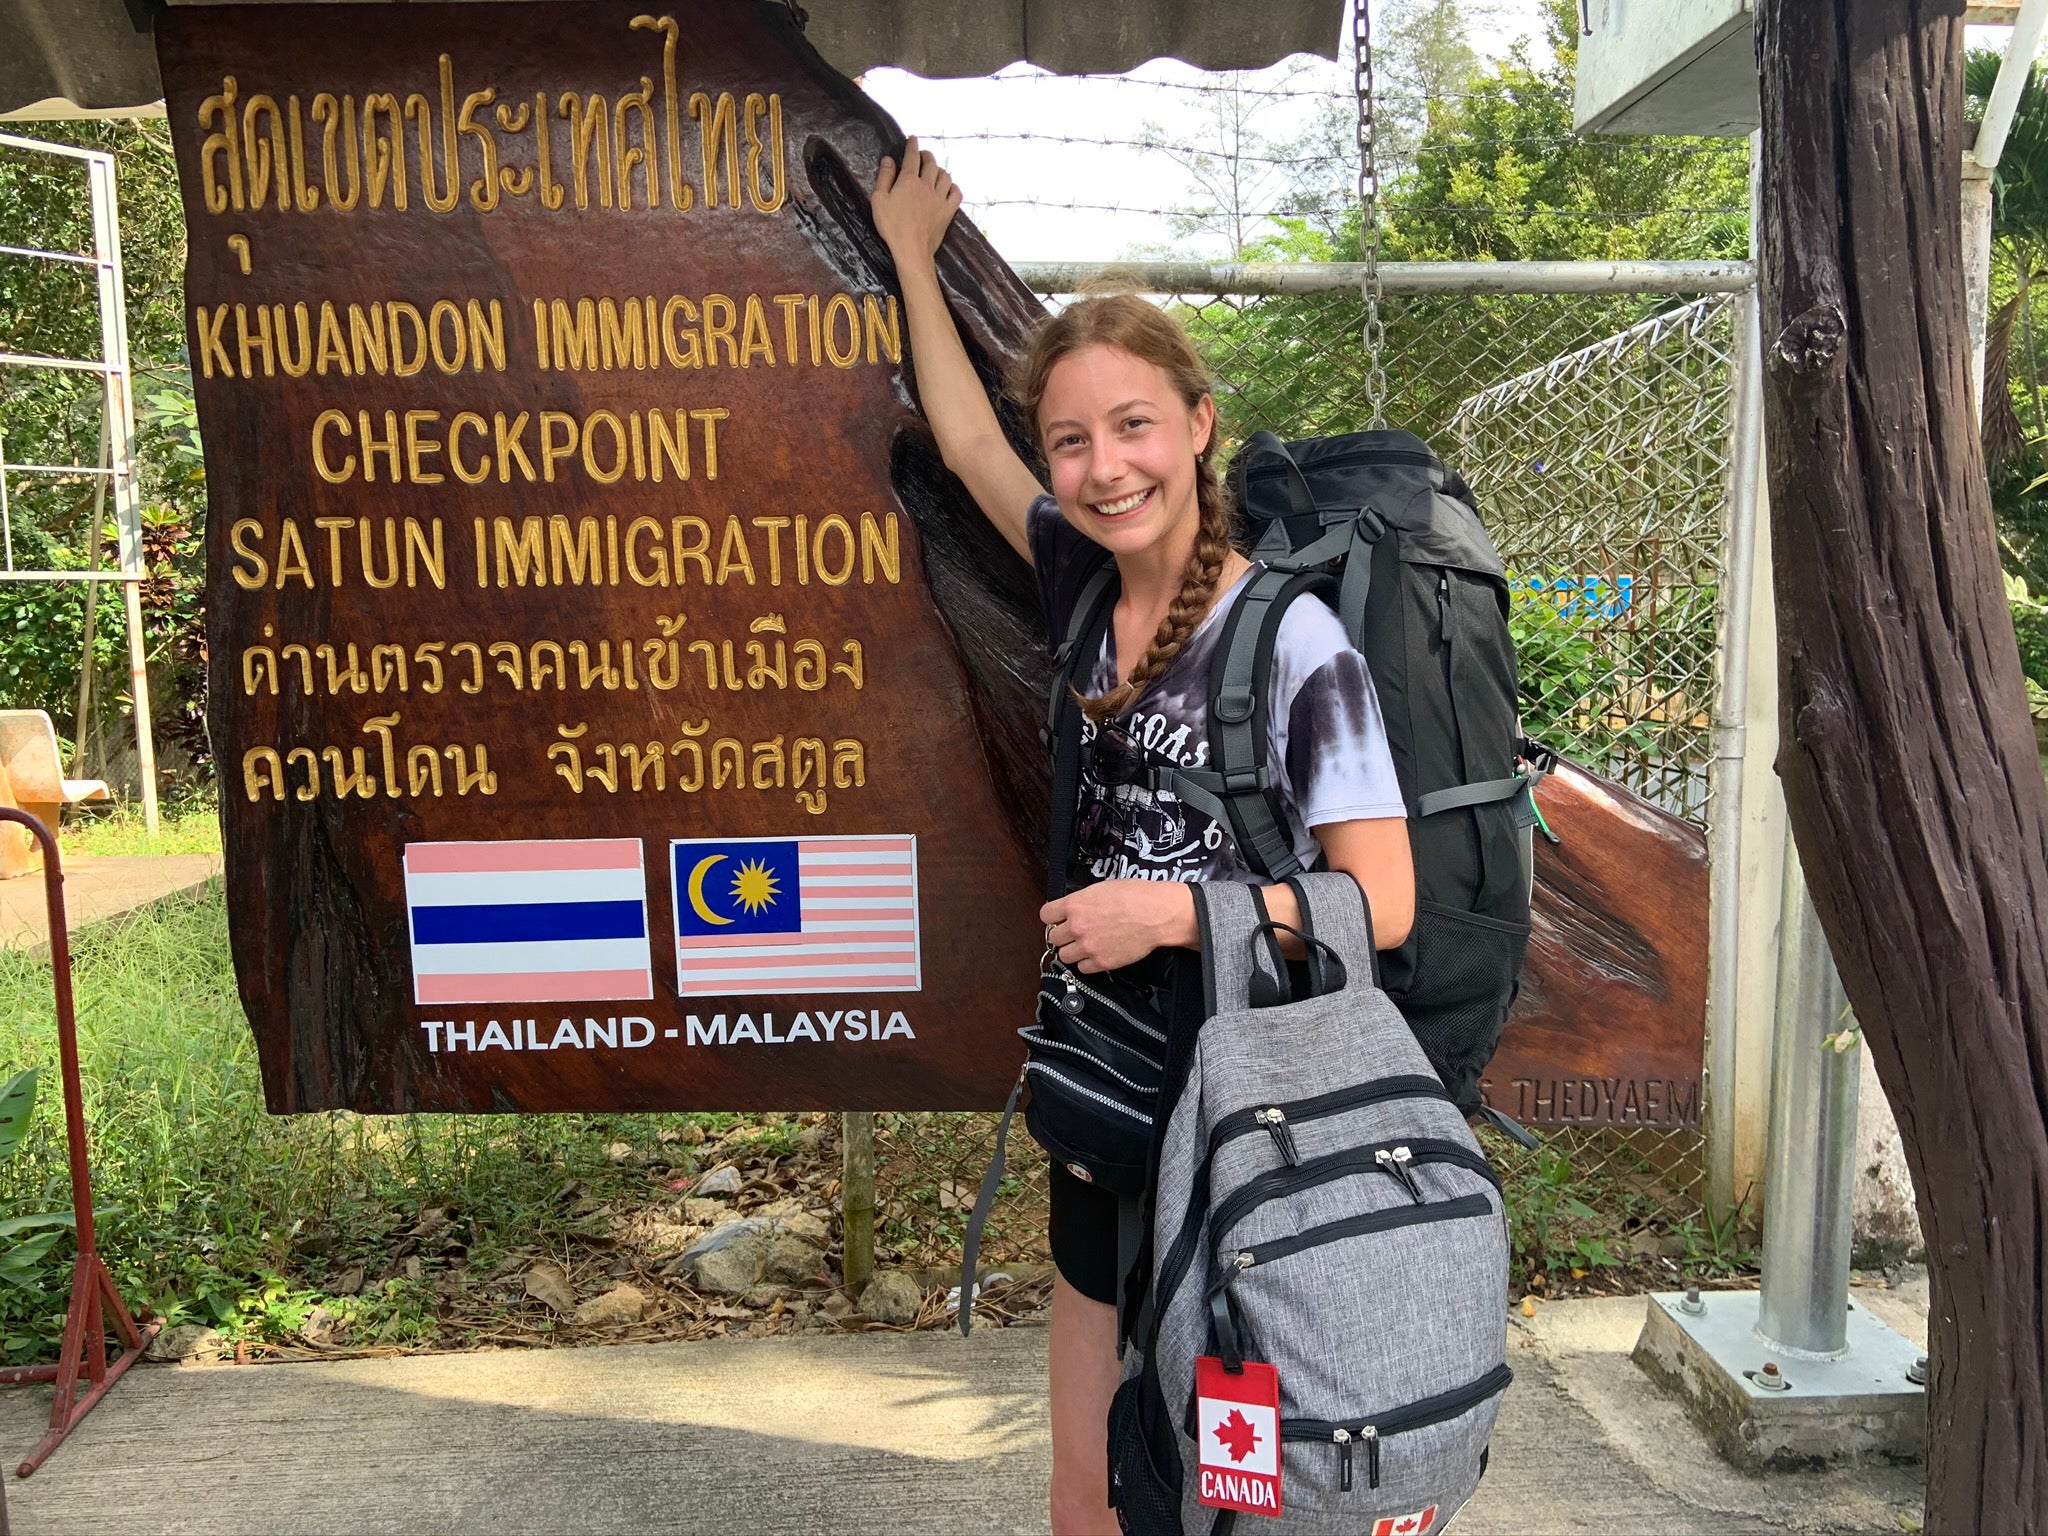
{"x": 212, "y": 1210}
{"x": 116, "y": 827}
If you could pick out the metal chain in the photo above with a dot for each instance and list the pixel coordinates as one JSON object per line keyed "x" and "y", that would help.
{"x": 1375, "y": 337}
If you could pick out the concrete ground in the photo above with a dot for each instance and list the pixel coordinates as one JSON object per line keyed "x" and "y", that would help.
{"x": 860, "y": 1433}
{"x": 96, "y": 889}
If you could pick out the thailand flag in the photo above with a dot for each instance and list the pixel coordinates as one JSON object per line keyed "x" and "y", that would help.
{"x": 529, "y": 922}
{"x": 798, "y": 914}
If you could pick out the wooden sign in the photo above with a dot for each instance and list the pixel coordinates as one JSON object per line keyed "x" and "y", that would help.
{"x": 589, "y": 735}
{"x": 618, "y": 705}
{"x": 1610, "y": 1026}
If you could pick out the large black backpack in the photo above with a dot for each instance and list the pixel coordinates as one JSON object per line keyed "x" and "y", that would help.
{"x": 1373, "y": 524}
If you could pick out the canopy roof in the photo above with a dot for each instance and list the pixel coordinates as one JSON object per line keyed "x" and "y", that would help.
{"x": 59, "y": 58}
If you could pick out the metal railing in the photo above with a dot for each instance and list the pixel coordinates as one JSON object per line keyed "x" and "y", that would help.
{"x": 117, "y": 469}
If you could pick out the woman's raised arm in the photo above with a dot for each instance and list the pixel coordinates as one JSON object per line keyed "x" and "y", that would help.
{"x": 912, "y": 206}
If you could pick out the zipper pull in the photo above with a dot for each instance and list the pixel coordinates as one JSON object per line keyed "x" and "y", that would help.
{"x": 1371, "y": 1437}
{"x": 1443, "y": 602}
{"x": 1274, "y": 1119}
{"x": 1395, "y": 1161}
{"x": 1072, "y": 1004}
{"x": 1343, "y": 1439}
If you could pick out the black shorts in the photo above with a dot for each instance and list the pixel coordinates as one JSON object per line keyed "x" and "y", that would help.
{"x": 1082, "y": 1233}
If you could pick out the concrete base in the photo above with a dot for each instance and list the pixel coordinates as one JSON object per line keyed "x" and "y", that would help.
{"x": 1861, "y": 1404}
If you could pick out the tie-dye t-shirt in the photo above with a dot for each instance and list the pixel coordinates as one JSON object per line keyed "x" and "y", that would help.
{"x": 1328, "y": 743}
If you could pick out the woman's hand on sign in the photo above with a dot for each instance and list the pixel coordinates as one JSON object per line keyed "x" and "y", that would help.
{"x": 1119, "y": 922}
{"x": 913, "y": 203}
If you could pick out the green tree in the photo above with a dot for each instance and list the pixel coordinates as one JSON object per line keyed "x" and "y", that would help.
{"x": 1500, "y": 175}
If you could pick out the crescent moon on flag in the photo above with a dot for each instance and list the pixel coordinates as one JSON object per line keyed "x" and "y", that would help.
{"x": 695, "y": 887}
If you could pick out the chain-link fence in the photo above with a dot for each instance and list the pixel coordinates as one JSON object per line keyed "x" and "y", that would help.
{"x": 1594, "y": 429}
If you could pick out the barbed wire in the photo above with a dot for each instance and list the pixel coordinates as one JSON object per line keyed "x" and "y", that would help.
{"x": 1314, "y": 210}
{"x": 1630, "y": 146}
{"x": 1334, "y": 94}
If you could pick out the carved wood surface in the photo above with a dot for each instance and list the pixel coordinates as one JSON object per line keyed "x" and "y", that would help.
{"x": 1909, "y": 765}
{"x": 278, "y": 112}
{"x": 1610, "y": 1026}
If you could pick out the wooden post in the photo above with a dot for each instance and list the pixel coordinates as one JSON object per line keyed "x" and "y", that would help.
{"x": 1906, "y": 753}
{"x": 857, "y": 1197}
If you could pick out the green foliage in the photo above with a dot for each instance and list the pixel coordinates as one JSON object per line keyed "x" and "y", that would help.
{"x": 17, "y": 1107}
{"x": 1507, "y": 145}
{"x": 213, "y": 1210}
{"x": 2030, "y": 626}
{"x": 19, "y": 1262}
{"x": 58, "y": 522}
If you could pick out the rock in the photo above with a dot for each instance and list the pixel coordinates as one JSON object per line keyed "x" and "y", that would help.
{"x": 722, "y": 1180}
{"x": 727, "y": 1261}
{"x": 705, "y": 1213}
{"x": 892, "y": 1297}
{"x": 349, "y": 1282}
{"x": 618, "y": 1151}
{"x": 546, "y": 1283}
{"x": 812, "y": 1137}
{"x": 693, "y": 1135}
{"x": 778, "y": 1208}
{"x": 812, "y": 1229}
{"x": 792, "y": 1261}
{"x": 768, "y": 1297}
{"x": 671, "y": 1237}
{"x": 834, "y": 1307}
{"x": 620, "y": 1305}
{"x": 188, "y": 1341}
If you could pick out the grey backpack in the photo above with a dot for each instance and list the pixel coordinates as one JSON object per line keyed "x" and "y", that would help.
{"x": 1322, "y": 1207}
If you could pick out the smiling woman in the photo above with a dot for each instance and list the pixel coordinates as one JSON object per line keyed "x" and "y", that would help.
{"x": 1120, "y": 406}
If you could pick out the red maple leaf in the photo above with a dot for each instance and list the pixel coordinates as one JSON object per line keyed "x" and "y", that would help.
{"x": 1406, "y": 1525}
{"x": 1237, "y": 1436}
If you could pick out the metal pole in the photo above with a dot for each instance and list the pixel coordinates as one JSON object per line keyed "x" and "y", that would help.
{"x": 2013, "y": 70}
{"x": 1809, "y": 1170}
{"x": 857, "y": 1198}
{"x": 1731, "y": 704}
{"x": 82, "y": 722}
{"x": 120, "y": 421}
{"x": 1977, "y": 211}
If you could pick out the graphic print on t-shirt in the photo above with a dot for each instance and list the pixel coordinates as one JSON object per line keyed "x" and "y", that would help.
{"x": 1327, "y": 744}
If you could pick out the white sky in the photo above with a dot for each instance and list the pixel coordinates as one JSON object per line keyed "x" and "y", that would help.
{"x": 948, "y": 114}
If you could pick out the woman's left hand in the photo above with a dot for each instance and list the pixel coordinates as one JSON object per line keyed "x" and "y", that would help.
{"x": 1119, "y": 922}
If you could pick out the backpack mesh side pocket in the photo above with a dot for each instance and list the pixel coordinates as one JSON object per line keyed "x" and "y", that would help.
{"x": 1146, "y": 1502}
{"x": 1469, "y": 960}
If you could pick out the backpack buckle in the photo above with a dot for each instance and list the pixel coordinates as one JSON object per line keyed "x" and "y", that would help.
{"x": 1234, "y": 707}
{"x": 1371, "y": 525}
{"x": 1245, "y": 781}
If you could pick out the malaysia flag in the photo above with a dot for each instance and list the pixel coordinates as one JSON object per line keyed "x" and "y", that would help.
{"x": 798, "y": 914}
{"x": 529, "y": 922}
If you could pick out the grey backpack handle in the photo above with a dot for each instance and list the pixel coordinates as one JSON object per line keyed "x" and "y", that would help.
{"x": 1233, "y": 949}
{"x": 1334, "y": 912}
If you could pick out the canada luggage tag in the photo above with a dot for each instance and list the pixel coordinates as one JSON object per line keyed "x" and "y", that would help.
{"x": 1237, "y": 1426}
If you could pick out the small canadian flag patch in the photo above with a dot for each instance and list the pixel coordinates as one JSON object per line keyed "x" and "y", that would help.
{"x": 1421, "y": 1523}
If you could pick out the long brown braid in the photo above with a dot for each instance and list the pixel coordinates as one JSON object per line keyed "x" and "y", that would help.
{"x": 1127, "y": 322}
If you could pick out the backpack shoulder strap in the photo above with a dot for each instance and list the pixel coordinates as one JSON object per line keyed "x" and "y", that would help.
{"x": 1086, "y": 622}
{"x": 1237, "y": 786}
